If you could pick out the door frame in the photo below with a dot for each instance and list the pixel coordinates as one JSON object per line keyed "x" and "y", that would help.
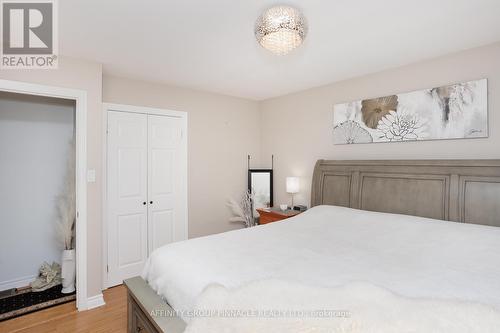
{"x": 80, "y": 98}
{"x": 143, "y": 110}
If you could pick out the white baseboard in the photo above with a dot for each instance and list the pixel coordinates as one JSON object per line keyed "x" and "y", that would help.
{"x": 17, "y": 283}
{"x": 95, "y": 301}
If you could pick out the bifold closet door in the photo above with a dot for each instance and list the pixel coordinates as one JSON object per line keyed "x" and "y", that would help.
{"x": 127, "y": 197}
{"x": 165, "y": 181}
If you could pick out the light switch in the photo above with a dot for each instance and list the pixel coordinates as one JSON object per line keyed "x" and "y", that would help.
{"x": 91, "y": 176}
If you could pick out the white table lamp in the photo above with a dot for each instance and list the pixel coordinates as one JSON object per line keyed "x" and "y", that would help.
{"x": 292, "y": 186}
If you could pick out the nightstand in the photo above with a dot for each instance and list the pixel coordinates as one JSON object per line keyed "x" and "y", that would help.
{"x": 268, "y": 215}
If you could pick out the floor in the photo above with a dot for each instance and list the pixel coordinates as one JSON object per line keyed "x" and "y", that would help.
{"x": 110, "y": 318}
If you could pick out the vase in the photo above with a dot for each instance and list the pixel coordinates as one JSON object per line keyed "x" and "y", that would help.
{"x": 68, "y": 271}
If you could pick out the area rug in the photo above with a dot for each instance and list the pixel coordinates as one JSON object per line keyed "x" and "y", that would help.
{"x": 26, "y": 301}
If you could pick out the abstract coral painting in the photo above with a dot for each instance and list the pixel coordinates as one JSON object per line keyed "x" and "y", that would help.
{"x": 449, "y": 112}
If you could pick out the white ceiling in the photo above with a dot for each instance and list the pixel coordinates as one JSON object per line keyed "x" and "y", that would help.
{"x": 209, "y": 45}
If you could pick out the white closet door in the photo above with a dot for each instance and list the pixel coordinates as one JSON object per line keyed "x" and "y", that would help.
{"x": 166, "y": 181}
{"x": 127, "y": 195}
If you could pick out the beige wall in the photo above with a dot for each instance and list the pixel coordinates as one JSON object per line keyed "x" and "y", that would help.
{"x": 295, "y": 128}
{"x": 86, "y": 76}
{"x": 222, "y": 131}
{"x": 298, "y": 128}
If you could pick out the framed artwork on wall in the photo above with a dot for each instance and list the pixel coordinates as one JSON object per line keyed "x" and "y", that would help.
{"x": 454, "y": 111}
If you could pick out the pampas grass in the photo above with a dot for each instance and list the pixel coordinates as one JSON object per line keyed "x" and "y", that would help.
{"x": 242, "y": 211}
{"x": 66, "y": 203}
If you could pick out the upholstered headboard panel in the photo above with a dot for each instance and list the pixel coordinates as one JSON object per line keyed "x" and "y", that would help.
{"x": 455, "y": 190}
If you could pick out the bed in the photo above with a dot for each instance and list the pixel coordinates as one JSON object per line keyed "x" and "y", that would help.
{"x": 404, "y": 203}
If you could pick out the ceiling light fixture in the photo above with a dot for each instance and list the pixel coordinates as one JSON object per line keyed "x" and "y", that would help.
{"x": 281, "y": 29}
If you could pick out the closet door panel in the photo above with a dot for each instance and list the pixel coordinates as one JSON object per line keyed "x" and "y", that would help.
{"x": 126, "y": 195}
{"x": 165, "y": 182}
{"x": 161, "y": 228}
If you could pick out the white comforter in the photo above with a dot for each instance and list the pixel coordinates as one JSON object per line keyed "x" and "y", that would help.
{"x": 330, "y": 246}
{"x": 277, "y": 306}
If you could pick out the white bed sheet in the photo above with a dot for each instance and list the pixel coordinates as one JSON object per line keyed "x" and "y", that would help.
{"x": 331, "y": 246}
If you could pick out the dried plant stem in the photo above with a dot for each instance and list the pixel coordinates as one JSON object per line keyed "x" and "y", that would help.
{"x": 242, "y": 211}
{"x": 66, "y": 203}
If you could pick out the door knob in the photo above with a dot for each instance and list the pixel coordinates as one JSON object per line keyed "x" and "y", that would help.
{"x": 144, "y": 203}
{"x": 151, "y": 202}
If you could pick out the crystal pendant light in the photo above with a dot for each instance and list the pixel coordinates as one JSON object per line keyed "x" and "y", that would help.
{"x": 281, "y": 29}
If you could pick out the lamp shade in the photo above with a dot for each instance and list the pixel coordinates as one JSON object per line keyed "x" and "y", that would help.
{"x": 292, "y": 185}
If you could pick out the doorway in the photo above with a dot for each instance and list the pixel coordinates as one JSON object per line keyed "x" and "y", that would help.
{"x": 37, "y": 202}
{"x": 80, "y": 129}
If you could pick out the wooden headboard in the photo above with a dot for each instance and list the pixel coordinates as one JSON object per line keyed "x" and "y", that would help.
{"x": 455, "y": 190}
